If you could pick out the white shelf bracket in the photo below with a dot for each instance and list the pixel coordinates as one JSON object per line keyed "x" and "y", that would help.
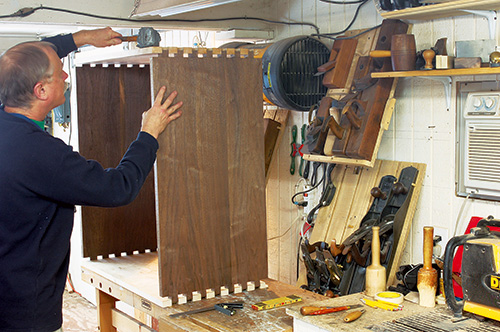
{"x": 446, "y": 80}
{"x": 490, "y": 15}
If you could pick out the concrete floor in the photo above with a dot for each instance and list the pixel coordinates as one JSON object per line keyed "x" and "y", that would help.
{"x": 79, "y": 315}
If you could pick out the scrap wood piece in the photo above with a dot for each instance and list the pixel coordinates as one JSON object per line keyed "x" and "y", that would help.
{"x": 275, "y": 121}
{"x": 405, "y": 230}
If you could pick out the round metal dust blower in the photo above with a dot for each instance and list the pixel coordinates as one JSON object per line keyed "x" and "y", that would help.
{"x": 288, "y": 68}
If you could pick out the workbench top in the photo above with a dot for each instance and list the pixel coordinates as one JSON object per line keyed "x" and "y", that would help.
{"x": 246, "y": 319}
{"x": 439, "y": 318}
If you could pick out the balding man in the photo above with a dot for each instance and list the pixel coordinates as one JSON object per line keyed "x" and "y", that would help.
{"x": 42, "y": 179}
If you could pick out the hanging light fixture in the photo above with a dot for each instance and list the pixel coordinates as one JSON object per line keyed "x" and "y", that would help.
{"x": 174, "y": 7}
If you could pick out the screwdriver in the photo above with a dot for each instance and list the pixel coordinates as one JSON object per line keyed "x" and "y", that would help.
{"x": 309, "y": 310}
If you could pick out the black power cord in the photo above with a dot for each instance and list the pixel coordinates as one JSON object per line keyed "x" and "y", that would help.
{"x": 23, "y": 12}
{"x": 342, "y": 2}
{"x": 356, "y": 13}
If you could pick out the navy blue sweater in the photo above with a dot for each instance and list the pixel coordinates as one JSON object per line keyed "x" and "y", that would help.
{"x": 41, "y": 181}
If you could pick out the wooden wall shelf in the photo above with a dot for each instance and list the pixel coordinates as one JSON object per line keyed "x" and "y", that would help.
{"x": 441, "y": 75}
{"x": 439, "y": 72}
{"x": 440, "y": 10}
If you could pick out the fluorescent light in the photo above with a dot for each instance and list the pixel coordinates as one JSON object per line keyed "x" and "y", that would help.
{"x": 174, "y": 7}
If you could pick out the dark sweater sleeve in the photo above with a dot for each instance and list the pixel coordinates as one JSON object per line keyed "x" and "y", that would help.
{"x": 64, "y": 44}
{"x": 65, "y": 176}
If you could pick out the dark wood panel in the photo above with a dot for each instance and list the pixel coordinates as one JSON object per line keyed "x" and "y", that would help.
{"x": 110, "y": 104}
{"x": 246, "y": 170}
{"x": 210, "y": 175}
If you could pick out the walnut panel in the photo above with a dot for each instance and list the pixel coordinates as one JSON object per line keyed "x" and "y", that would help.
{"x": 110, "y": 103}
{"x": 210, "y": 175}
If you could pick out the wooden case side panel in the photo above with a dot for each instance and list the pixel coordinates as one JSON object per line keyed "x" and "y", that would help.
{"x": 246, "y": 158}
{"x": 210, "y": 176}
{"x": 110, "y": 103}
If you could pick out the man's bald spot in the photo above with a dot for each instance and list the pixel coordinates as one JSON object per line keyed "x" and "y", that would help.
{"x": 13, "y": 53}
{"x": 21, "y": 67}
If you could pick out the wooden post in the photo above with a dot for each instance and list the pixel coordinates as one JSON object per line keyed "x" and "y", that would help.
{"x": 105, "y": 304}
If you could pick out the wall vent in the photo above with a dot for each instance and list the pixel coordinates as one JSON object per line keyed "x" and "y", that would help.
{"x": 478, "y": 145}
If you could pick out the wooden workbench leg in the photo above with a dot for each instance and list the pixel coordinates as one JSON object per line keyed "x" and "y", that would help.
{"x": 105, "y": 305}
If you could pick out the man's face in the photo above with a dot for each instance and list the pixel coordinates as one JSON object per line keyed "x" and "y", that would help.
{"x": 56, "y": 83}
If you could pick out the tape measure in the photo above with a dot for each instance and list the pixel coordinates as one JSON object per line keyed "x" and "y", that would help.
{"x": 274, "y": 303}
{"x": 390, "y": 297}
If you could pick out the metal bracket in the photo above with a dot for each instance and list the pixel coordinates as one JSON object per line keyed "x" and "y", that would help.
{"x": 446, "y": 80}
{"x": 490, "y": 15}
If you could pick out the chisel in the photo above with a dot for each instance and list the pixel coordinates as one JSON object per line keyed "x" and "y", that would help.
{"x": 310, "y": 311}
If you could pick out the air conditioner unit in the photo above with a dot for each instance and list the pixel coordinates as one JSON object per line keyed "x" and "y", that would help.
{"x": 478, "y": 142}
{"x": 174, "y": 7}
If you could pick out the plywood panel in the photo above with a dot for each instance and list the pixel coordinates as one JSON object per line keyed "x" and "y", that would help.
{"x": 210, "y": 175}
{"x": 110, "y": 103}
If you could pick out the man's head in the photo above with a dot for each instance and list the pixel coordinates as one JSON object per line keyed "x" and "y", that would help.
{"x": 27, "y": 72}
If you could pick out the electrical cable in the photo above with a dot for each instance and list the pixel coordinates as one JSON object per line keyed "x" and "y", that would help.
{"x": 23, "y": 12}
{"x": 289, "y": 228}
{"x": 459, "y": 216}
{"x": 327, "y": 35}
{"x": 342, "y": 2}
{"x": 356, "y": 13}
{"x": 306, "y": 191}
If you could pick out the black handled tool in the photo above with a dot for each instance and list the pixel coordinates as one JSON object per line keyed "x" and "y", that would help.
{"x": 225, "y": 308}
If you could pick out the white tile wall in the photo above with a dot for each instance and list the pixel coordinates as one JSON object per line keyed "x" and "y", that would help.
{"x": 422, "y": 128}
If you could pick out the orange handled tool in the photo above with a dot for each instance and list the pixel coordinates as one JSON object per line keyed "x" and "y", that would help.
{"x": 352, "y": 316}
{"x": 310, "y": 311}
{"x": 129, "y": 38}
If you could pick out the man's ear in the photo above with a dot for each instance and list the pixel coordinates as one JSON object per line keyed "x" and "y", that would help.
{"x": 40, "y": 91}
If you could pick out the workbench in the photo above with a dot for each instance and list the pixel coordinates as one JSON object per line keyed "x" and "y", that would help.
{"x": 133, "y": 279}
{"x": 412, "y": 318}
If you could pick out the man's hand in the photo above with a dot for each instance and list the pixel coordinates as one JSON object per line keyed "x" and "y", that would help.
{"x": 156, "y": 119}
{"x": 98, "y": 38}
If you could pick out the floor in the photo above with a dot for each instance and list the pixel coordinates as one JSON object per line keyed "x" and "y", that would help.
{"x": 79, "y": 315}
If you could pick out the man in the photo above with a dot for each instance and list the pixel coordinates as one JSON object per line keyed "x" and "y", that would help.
{"x": 42, "y": 179}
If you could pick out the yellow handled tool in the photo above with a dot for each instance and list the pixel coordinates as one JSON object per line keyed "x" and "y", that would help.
{"x": 380, "y": 54}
